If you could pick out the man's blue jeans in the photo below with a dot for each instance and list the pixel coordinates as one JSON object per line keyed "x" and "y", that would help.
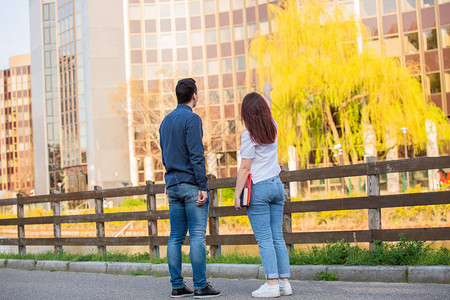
{"x": 266, "y": 217}
{"x": 185, "y": 214}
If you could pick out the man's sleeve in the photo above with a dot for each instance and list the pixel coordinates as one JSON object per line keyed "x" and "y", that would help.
{"x": 194, "y": 135}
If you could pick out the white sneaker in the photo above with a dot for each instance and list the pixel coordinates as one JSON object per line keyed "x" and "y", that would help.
{"x": 285, "y": 288}
{"x": 267, "y": 291}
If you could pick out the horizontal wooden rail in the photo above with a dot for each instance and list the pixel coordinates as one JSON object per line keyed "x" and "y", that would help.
{"x": 357, "y": 236}
{"x": 385, "y": 201}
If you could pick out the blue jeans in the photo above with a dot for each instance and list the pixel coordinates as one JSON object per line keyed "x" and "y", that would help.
{"x": 266, "y": 217}
{"x": 185, "y": 214}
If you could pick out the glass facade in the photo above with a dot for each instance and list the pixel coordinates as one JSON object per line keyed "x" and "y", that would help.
{"x": 56, "y": 175}
{"x": 72, "y": 106}
{"x": 207, "y": 40}
{"x": 16, "y": 140}
{"x": 418, "y": 34}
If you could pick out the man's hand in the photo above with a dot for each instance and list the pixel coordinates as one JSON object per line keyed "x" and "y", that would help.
{"x": 202, "y": 197}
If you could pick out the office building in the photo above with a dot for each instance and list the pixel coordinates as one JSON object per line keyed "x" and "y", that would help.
{"x": 77, "y": 56}
{"x": 16, "y": 140}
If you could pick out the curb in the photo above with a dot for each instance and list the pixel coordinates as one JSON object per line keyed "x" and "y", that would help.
{"x": 412, "y": 274}
{"x": 127, "y": 268}
{"x": 21, "y": 264}
{"x": 52, "y": 265}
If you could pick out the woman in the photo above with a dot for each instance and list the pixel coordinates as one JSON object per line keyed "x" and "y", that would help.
{"x": 259, "y": 155}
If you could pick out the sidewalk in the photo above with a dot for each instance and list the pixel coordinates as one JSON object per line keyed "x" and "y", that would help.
{"x": 412, "y": 274}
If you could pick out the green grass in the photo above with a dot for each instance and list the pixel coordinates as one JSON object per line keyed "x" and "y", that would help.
{"x": 332, "y": 253}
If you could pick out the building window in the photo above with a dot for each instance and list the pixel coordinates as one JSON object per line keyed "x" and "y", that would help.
{"x": 194, "y": 8}
{"x": 239, "y": 33}
{"x": 196, "y": 38}
{"x": 238, "y": 4}
{"x": 211, "y": 37}
{"x": 411, "y": 41}
{"x": 445, "y": 36}
{"x": 251, "y": 30}
{"x": 430, "y": 39}
{"x": 447, "y": 81}
{"x": 164, "y": 10}
{"x": 134, "y": 12}
{"x": 135, "y": 41}
{"x": 427, "y": 3}
{"x": 166, "y": 40}
{"x": 210, "y": 6}
{"x": 368, "y": 8}
{"x": 181, "y": 38}
{"x": 225, "y": 35}
{"x": 227, "y": 65}
{"x": 389, "y": 6}
{"x": 149, "y": 11}
{"x": 180, "y": 9}
{"x": 213, "y": 67}
{"x": 408, "y": 5}
{"x": 182, "y": 69}
{"x": 434, "y": 81}
{"x": 214, "y": 97}
{"x": 197, "y": 68}
{"x": 240, "y": 63}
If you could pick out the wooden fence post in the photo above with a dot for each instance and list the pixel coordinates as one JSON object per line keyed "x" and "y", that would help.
{"x": 56, "y": 208}
{"x": 21, "y": 228}
{"x": 373, "y": 189}
{"x": 100, "y": 226}
{"x": 287, "y": 218}
{"x": 152, "y": 224}
{"x": 215, "y": 250}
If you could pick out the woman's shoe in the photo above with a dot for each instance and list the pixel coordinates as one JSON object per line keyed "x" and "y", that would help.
{"x": 267, "y": 291}
{"x": 285, "y": 288}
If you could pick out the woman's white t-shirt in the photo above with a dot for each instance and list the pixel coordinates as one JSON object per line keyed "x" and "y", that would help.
{"x": 265, "y": 157}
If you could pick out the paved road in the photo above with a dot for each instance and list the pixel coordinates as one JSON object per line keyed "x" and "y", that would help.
{"x": 36, "y": 285}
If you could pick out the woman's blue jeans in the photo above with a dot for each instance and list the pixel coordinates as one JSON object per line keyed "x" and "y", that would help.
{"x": 185, "y": 214}
{"x": 266, "y": 217}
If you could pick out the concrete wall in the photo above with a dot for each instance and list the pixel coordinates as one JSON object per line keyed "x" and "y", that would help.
{"x": 38, "y": 100}
{"x": 104, "y": 61}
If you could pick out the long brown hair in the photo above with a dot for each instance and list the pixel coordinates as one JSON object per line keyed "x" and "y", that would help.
{"x": 258, "y": 119}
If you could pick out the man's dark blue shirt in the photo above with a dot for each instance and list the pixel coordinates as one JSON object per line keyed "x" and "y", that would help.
{"x": 183, "y": 154}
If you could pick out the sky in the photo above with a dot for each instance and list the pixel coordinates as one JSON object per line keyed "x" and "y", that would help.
{"x": 14, "y": 30}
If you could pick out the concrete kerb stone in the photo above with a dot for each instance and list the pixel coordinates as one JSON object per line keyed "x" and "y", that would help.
{"x": 161, "y": 270}
{"x": 88, "y": 266}
{"x": 429, "y": 274}
{"x": 2, "y": 263}
{"x": 52, "y": 265}
{"x": 369, "y": 273}
{"x": 307, "y": 272}
{"x": 241, "y": 271}
{"x": 127, "y": 268}
{"x": 21, "y": 264}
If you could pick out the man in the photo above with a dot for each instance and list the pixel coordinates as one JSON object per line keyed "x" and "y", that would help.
{"x": 187, "y": 190}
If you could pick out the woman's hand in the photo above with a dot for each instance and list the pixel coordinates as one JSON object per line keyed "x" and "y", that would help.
{"x": 243, "y": 172}
{"x": 237, "y": 202}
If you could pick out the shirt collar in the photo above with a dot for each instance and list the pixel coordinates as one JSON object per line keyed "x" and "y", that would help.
{"x": 185, "y": 106}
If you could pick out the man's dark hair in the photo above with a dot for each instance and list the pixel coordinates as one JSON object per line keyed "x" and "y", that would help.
{"x": 185, "y": 89}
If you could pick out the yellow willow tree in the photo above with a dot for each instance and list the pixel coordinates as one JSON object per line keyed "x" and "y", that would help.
{"x": 328, "y": 82}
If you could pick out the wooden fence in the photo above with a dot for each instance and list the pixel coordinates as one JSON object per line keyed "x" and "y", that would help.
{"x": 373, "y": 202}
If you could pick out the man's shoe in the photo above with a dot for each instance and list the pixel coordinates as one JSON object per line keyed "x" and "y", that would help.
{"x": 267, "y": 291}
{"x": 285, "y": 288}
{"x": 183, "y": 292}
{"x": 206, "y": 292}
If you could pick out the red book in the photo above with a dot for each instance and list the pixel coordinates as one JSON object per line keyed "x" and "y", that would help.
{"x": 246, "y": 191}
